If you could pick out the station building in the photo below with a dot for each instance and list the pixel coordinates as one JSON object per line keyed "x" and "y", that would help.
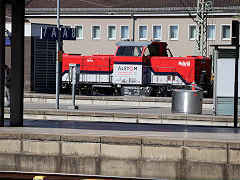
{"x": 101, "y": 23}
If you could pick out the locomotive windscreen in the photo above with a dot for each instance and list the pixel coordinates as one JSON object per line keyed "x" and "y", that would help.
{"x": 129, "y": 51}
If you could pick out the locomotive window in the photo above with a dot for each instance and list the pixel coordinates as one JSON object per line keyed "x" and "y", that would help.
{"x": 154, "y": 49}
{"x": 129, "y": 51}
{"x": 146, "y": 53}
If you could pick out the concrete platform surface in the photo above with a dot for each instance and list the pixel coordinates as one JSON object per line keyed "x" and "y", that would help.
{"x": 36, "y": 109}
{"x": 114, "y": 98}
{"x": 180, "y": 132}
{"x": 107, "y": 100}
{"x": 123, "y": 138}
{"x": 121, "y": 150}
{"x": 117, "y": 109}
{"x": 127, "y": 114}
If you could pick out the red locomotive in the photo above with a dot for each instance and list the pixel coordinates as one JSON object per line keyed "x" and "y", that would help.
{"x": 137, "y": 68}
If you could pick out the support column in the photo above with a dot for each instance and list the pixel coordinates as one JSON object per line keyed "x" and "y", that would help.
{"x": 17, "y": 64}
{"x": 2, "y": 59}
{"x": 236, "y": 77}
{"x": 133, "y": 26}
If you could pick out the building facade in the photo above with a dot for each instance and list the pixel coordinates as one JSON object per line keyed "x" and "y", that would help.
{"x": 98, "y": 36}
{"x": 101, "y": 23}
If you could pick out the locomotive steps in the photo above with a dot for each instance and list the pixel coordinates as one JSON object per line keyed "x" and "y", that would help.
{"x": 116, "y": 109}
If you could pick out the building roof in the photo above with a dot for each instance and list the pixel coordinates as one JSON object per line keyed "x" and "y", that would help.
{"x": 124, "y": 6}
{"x": 124, "y": 3}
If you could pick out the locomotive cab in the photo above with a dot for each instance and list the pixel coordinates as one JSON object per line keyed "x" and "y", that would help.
{"x": 142, "y": 49}
{"x": 157, "y": 49}
{"x": 132, "y": 72}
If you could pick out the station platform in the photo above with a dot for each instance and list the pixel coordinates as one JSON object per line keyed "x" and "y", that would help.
{"x": 99, "y": 115}
{"x": 117, "y": 109}
{"x": 133, "y": 137}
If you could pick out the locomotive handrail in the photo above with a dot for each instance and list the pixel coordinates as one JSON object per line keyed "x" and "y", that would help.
{"x": 190, "y": 74}
{"x": 194, "y": 75}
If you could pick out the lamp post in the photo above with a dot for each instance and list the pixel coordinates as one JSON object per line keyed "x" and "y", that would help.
{"x": 235, "y": 41}
{"x": 58, "y": 47}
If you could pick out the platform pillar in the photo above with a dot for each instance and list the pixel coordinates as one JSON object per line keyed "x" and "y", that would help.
{"x": 17, "y": 64}
{"x": 2, "y": 59}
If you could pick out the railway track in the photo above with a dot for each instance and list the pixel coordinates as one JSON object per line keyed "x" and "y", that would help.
{"x": 54, "y": 176}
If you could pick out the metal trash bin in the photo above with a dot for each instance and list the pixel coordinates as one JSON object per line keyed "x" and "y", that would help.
{"x": 187, "y": 101}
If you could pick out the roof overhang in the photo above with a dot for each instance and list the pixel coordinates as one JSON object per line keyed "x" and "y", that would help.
{"x": 169, "y": 11}
{"x": 127, "y": 15}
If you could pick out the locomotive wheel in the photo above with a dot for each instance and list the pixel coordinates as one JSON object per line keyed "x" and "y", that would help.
{"x": 79, "y": 92}
{"x": 161, "y": 92}
{"x": 116, "y": 92}
{"x": 95, "y": 92}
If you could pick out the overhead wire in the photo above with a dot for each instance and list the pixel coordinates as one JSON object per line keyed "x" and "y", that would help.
{"x": 187, "y": 10}
{"x": 28, "y": 2}
{"x": 190, "y": 5}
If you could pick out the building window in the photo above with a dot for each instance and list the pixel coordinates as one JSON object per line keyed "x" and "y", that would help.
{"x": 211, "y": 32}
{"x": 124, "y": 32}
{"x": 225, "y": 32}
{"x": 79, "y": 32}
{"x": 111, "y": 32}
{"x": 157, "y": 32}
{"x": 192, "y": 32}
{"x": 142, "y": 32}
{"x": 173, "y": 34}
{"x": 96, "y": 31}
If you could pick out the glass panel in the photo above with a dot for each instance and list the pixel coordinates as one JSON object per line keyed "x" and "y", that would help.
{"x": 79, "y": 33}
{"x": 173, "y": 32}
{"x": 211, "y": 32}
{"x": 124, "y": 32}
{"x": 96, "y": 32}
{"x": 157, "y": 31}
{"x": 142, "y": 32}
{"x": 129, "y": 51}
{"x": 111, "y": 32}
{"x": 225, "y": 31}
{"x": 192, "y": 32}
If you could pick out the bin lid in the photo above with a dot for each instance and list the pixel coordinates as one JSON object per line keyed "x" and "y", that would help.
{"x": 186, "y": 90}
